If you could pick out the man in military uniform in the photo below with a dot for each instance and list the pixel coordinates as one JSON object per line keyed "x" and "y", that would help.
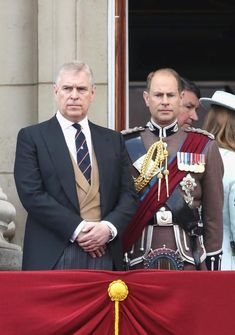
{"x": 178, "y": 176}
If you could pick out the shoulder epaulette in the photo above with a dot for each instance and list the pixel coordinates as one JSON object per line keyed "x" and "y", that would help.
{"x": 132, "y": 130}
{"x": 200, "y": 131}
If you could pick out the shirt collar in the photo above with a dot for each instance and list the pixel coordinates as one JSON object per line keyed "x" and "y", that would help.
{"x": 65, "y": 123}
{"x": 163, "y": 131}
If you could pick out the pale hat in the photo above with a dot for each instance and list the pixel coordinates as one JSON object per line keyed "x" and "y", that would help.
{"x": 219, "y": 98}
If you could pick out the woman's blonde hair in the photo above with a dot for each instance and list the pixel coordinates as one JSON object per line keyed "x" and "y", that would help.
{"x": 220, "y": 121}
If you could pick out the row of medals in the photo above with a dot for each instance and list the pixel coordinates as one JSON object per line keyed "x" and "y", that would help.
{"x": 187, "y": 161}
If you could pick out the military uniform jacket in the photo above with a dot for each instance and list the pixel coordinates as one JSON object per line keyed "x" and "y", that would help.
{"x": 207, "y": 193}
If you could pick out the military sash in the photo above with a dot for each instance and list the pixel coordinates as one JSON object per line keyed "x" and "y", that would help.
{"x": 195, "y": 142}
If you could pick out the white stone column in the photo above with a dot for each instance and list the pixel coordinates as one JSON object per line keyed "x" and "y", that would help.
{"x": 56, "y": 45}
{"x": 18, "y": 87}
{"x": 92, "y": 47}
{"x": 68, "y": 30}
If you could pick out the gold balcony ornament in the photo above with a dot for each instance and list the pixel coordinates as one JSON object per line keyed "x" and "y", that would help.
{"x": 118, "y": 291}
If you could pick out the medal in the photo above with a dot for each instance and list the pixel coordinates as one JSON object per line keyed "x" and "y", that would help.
{"x": 196, "y": 168}
{"x": 201, "y": 168}
{"x": 191, "y": 162}
{"x": 201, "y": 163}
{"x": 179, "y": 161}
{"x": 183, "y": 161}
{"x": 188, "y": 185}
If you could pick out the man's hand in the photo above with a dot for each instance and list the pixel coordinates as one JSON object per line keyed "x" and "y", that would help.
{"x": 93, "y": 238}
{"x": 99, "y": 252}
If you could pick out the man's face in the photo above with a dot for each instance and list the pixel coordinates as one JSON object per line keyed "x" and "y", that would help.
{"x": 163, "y": 98}
{"x": 74, "y": 93}
{"x": 188, "y": 109}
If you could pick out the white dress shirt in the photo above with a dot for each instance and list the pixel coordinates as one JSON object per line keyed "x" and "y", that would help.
{"x": 69, "y": 134}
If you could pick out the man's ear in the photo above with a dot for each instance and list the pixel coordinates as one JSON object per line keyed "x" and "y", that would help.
{"x": 146, "y": 98}
{"x": 93, "y": 92}
{"x": 55, "y": 89}
{"x": 181, "y": 97}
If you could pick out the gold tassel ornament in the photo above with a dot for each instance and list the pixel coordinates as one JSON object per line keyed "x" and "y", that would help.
{"x": 152, "y": 164}
{"x": 118, "y": 291}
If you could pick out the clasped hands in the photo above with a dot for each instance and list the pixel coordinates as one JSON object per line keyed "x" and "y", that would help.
{"x": 93, "y": 238}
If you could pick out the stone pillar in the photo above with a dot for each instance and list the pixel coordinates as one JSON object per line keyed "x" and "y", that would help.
{"x": 10, "y": 254}
{"x": 18, "y": 89}
{"x": 56, "y": 45}
{"x": 92, "y": 48}
{"x": 68, "y": 30}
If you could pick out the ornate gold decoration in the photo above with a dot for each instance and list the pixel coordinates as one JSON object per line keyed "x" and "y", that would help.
{"x": 154, "y": 159}
{"x": 118, "y": 291}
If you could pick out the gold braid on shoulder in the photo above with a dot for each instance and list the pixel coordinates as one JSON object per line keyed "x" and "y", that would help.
{"x": 154, "y": 159}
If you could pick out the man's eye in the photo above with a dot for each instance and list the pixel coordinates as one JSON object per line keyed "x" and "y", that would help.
{"x": 82, "y": 90}
{"x": 67, "y": 88}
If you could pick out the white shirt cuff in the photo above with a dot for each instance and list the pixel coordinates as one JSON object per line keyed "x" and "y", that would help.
{"x": 77, "y": 231}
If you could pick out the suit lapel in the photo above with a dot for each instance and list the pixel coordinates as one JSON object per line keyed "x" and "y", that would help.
{"x": 60, "y": 156}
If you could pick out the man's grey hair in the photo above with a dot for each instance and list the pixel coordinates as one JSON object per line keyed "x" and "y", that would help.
{"x": 75, "y": 66}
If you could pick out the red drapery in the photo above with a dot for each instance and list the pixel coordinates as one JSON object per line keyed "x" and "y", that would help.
{"x": 77, "y": 302}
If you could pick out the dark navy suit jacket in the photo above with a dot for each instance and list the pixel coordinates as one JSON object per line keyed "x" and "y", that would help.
{"x": 45, "y": 182}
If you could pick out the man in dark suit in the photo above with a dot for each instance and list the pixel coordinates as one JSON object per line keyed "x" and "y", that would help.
{"x": 73, "y": 221}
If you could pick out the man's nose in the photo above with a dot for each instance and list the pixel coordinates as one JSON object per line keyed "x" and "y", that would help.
{"x": 74, "y": 93}
{"x": 164, "y": 99}
{"x": 193, "y": 115}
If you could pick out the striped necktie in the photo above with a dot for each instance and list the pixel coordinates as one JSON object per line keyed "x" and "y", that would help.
{"x": 83, "y": 157}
